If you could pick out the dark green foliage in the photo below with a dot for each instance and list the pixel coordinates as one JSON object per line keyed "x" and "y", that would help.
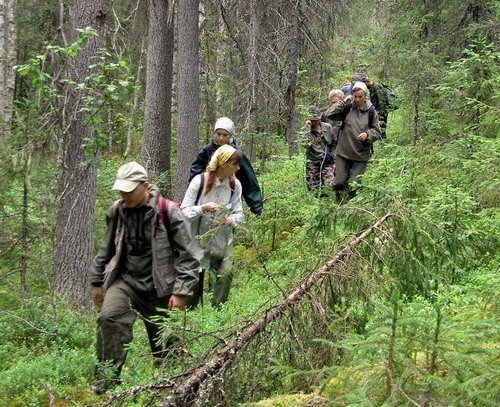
{"x": 409, "y": 317}
{"x": 46, "y": 350}
{"x": 442, "y": 352}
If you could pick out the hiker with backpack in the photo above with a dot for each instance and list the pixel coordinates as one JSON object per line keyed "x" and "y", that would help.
{"x": 360, "y": 129}
{"x": 348, "y": 88}
{"x": 320, "y": 158}
{"x": 224, "y": 131}
{"x": 212, "y": 204}
{"x": 384, "y": 100}
{"x": 145, "y": 262}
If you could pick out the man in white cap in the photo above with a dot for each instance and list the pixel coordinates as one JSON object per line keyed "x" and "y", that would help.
{"x": 145, "y": 262}
{"x": 224, "y": 134}
{"x": 360, "y": 129}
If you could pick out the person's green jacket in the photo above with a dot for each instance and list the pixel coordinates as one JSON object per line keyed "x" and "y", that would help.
{"x": 174, "y": 270}
{"x": 355, "y": 122}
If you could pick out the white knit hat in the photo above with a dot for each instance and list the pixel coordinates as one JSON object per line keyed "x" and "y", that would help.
{"x": 360, "y": 85}
{"x": 225, "y": 123}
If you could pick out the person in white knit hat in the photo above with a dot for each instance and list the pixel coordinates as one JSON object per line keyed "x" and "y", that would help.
{"x": 224, "y": 132}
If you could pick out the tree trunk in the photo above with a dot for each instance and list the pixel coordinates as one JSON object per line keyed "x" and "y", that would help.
{"x": 189, "y": 93}
{"x": 416, "y": 114}
{"x": 210, "y": 67}
{"x": 23, "y": 263}
{"x": 77, "y": 182}
{"x": 253, "y": 71}
{"x": 293, "y": 63}
{"x": 134, "y": 107}
{"x": 156, "y": 148}
{"x": 8, "y": 53}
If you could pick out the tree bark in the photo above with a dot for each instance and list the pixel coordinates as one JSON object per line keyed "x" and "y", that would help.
{"x": 210, "y": 68}
{"x": 73, "y": 249}
{"x": 293, "y": 64}
{"x": 156, "y": 148}
{"x": 188, "y": 93}
{"x": 254, "y": 73}
{"x": 8, "y": 53}
{"x": 135, "y": 104}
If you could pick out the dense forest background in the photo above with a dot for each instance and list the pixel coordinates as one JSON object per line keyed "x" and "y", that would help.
{"x": 389, "y": 300}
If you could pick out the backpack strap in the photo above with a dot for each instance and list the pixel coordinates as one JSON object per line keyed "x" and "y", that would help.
{"x": 163, "y": 215}
{"x": 371, "y": 115}
{"x": 116, "y": 209}
{"x": 116, "y": 214}
{"x": 200, "y": 189}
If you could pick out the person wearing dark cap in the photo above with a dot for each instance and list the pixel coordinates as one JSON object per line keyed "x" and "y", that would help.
{"x": 360, "y": 129}
{"x": 224, "y": 132}
{"x": 145, "y": 262}
{"x": 319, "y": 153}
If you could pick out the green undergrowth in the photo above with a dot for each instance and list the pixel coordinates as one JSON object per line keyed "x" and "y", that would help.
{"x": 434, "y": 259}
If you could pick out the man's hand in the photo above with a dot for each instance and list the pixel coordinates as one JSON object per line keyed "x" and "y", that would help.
{"x": 97, "y": 296}
{"x": 176, "y": 301}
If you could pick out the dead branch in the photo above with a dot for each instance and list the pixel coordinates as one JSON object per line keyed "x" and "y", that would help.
{"x": 186, "y": 391}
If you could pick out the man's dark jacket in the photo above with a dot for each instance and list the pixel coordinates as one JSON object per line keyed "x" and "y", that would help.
{"x": 249, "y": 184}
{"x": 158, "y": 265}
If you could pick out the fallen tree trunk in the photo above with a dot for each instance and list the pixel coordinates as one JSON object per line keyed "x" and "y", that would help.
{"x": 186, "y": 392}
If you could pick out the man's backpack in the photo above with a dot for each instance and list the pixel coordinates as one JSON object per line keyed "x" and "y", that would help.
{"x": 387, "y": 98}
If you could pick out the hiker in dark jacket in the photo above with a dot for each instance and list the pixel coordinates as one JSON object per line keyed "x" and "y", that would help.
{"x": 319, "y": 151}
{"x": 356, "y": 138}
{"x": 348, "y": 88}
{"x": 145, "y": 261}
{"x": 380, "y": 96}
{"x": 224, "y": 134}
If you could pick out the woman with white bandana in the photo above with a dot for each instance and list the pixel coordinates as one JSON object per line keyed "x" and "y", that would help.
{"x": 359, "y": 130}
{"x": 212, "y": 204}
